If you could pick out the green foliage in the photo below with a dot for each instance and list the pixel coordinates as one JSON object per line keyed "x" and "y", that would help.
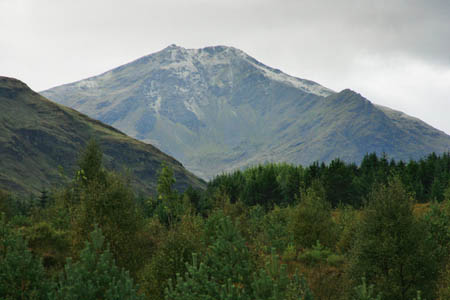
{"x": 311, "y": 220}
{"x": 165, "y": 183}
{"x": 198, "y": 284}
{"x": 111, "y": 205}
{"x": 264, "y": 185}
{"x": 170, "y": 258}
{"x": 22, "y": 275}
{"x": 44, "y": 199}
{"x": 261, "y": 187}
{"x": 90, "y": 164}
{"x": 197, "y": 200}
{"x": 347, "y": 221}
{"x": 58, "y": 211}
{"x": 319, "y": 254}
{"x": 273, "y": 282}
{"x": 5, "y": 204}
{"x": 12, "y": 206}
{"x": 364, "y": 292}
{"x": 419, "y": 296}
{"x": 276, "y": 228}
{"x": 437, "y": 222}
{"x": 51, "y": 244}
{"x": 169, "y": 208}
{"x": 443, "y": 288}
{"x": 343, "y": 183}
{"x": 338, "y": 183}
{"x": 232, "y": 228}
{"x": 226, "y": 272}
{"x": 105, "y": 199}
{"x": 388, "y": 251}
{"x": 94, "y": 276}
{"x": 228, "y": 256}
{"x": 290, "y": 253}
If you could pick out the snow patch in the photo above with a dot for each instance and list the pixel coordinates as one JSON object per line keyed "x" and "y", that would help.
{"x": 193, "y": 107}
{"x": 156, "y": 106}
{"x": 224, "y": 56}
{"x": 307, "y": 86}
{"x": 88, "y": 83}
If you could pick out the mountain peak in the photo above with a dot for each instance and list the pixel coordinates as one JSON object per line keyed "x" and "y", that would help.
{"x": 173, "y": 47}
{"x": 217, "y": 108}
{"x": 210, "y": 50}
{"x": 348, "y": 95}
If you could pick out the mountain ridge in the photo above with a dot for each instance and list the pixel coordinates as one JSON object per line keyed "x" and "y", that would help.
{"x": 217, "y": 108}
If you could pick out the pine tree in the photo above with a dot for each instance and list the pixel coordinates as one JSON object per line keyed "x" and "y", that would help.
{"x": 90, "y": 163}
{"x": 169, "y": 208}
{"x": 22, "y": 275}
{"x": 44, "y": 199}
{"x": 226, "y": 273}
{"x": 95, "y": 276}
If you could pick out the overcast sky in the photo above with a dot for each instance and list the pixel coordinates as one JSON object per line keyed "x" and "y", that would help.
{"x": 395, "y": 53}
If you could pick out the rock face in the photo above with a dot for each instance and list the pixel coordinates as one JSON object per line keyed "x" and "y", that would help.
{"x": 37, "y": 137}
{"x": 216, "y": 109}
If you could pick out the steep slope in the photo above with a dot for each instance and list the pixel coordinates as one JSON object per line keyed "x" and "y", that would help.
{"x": 37, "y": 136}
{"x": 216, "y": 109}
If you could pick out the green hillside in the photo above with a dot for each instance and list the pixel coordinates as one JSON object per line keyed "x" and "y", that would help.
{"x": 39, "y": 138}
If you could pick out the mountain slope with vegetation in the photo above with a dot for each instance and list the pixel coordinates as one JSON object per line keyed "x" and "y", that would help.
{"x": 40, "y": 142}
{"x": 217, "y": 109}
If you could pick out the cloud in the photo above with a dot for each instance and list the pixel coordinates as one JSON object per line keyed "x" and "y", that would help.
{"x": 354, "y": 44}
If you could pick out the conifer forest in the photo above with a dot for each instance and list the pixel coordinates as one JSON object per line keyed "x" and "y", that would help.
{"x": 377, "y": 230}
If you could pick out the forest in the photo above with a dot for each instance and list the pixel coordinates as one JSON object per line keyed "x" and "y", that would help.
{"x": 378, "y": 230}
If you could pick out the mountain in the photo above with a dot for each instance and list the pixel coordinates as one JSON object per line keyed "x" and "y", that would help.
{"x": 216, "y": 109}
{"x": 37, "y": 136}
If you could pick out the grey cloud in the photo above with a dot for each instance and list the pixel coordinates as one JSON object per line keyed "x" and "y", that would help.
{"x": 51, "y": 42}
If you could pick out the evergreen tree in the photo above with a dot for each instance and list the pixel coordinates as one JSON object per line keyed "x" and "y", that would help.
{"x": 90, "y": 163}
{"x": 44, "y": 199}
{"x": 166, "y": 182}
{"x": 95, "y": 276}
{"x": 226, "y": 273}
{"x": 261, "y": 187}
{"x": 338, "y": 183}
{"x": 22, "y": 275}
{"x": 437, "y": 222}
{"x": 223, "y": 274}
{"x": 6, "y": 205}
{"x": 169, "y": 208}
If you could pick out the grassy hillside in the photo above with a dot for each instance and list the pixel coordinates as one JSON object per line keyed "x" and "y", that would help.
{"x": 38, "y": 138}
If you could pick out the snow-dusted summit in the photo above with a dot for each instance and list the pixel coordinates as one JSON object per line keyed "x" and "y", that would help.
{"x": 217, "y": 108}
